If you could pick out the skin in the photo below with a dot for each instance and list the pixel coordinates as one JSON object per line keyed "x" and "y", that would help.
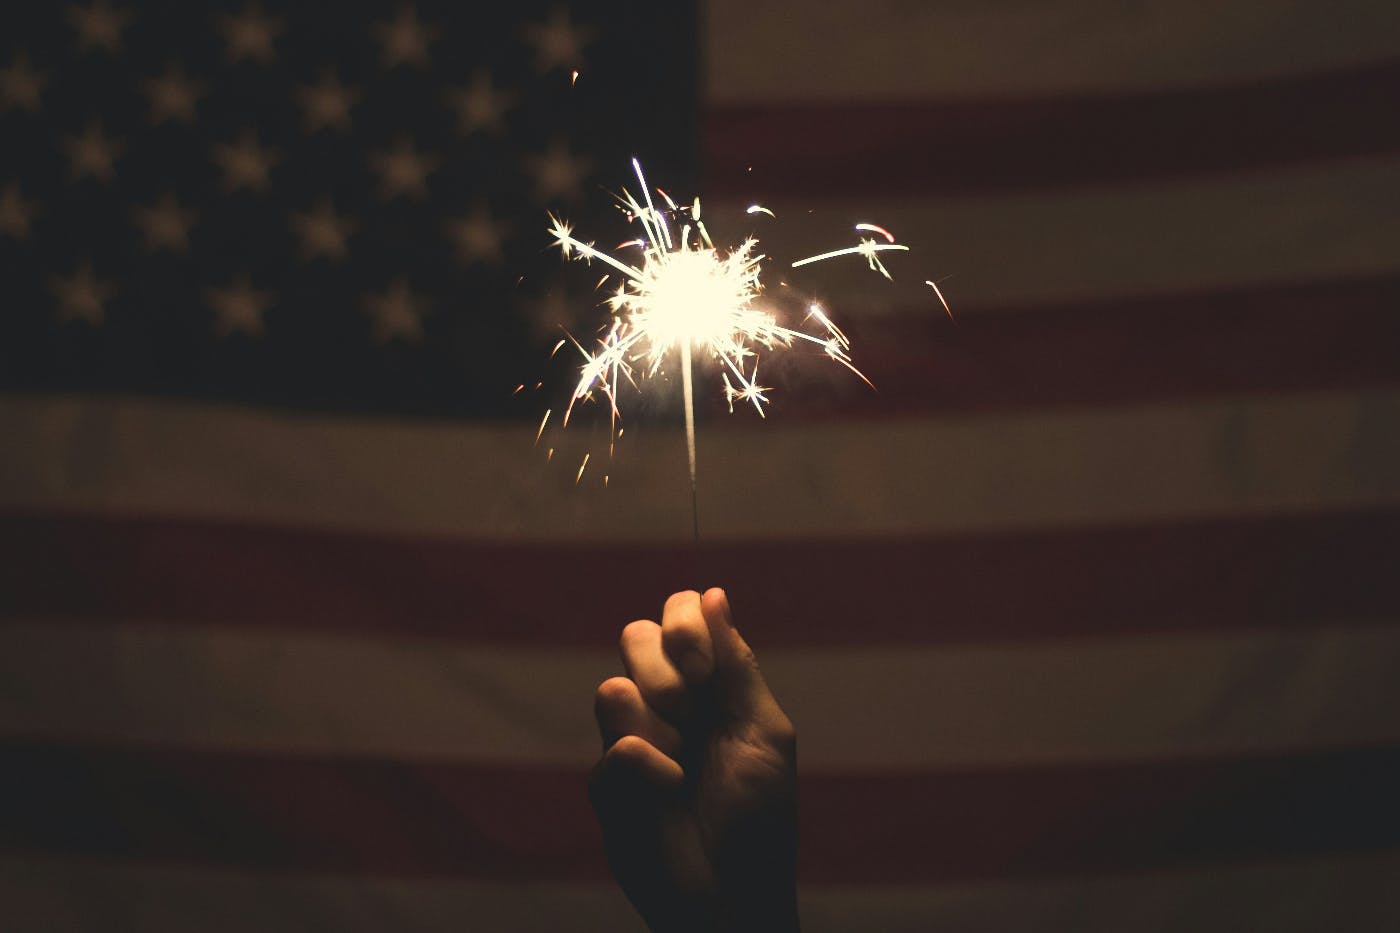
{"x": 696, "y": 789}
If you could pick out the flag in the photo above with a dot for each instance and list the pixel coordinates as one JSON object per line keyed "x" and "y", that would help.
{"x": 1085, "y": 614}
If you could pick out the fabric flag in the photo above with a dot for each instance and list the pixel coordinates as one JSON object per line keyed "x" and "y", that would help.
{"x": 1085, "y": 615}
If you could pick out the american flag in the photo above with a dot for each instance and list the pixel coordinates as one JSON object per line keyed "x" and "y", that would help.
{"x": 1086, "y": 618}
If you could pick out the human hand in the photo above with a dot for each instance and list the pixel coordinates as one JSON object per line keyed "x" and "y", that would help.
{"x": 696, "y": 789}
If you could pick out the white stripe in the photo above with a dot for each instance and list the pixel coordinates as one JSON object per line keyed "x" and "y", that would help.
{"x": 857, "y": 710}
{"x": 757, "y": 480}
{"x": 791, "y": 50}
{"x": 71, "y": 896}
{"x": 1285, "y": 225}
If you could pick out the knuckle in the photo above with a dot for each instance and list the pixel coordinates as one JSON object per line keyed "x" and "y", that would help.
{"x": 681, "y": 600}
{"x": 614, "y": 693}
{"x": 634, "y": 633}
{"x": 668, "y": 694}
{"x": 683, "y": 635}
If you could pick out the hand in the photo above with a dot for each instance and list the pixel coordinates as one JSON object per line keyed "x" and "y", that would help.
{"x": 696, "y": 790}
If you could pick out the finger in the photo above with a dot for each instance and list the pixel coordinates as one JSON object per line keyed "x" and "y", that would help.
{"x": 621, "y": 711}
{"x": 631, "y": 766}
{"x": 686, "y": 638}
{"x": 739, "y": 684}
{"x": 661, "y": 684}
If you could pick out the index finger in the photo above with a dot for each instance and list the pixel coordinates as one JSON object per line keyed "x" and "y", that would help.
{"x": 685, "y": 637}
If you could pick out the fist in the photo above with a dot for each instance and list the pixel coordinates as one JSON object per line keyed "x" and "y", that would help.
{"x": 696, "y": 789}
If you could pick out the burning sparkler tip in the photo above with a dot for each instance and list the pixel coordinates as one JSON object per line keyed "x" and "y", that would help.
{"x": 683, "y": 293}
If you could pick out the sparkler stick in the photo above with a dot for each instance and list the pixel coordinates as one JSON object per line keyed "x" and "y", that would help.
{"x": 688, "y": 392}
{"x": 684, "y": 293}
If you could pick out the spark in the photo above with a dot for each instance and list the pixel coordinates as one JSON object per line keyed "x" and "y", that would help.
{"x": 685, "y": 297}
{"x": 581, "y": 467}
{"x": 760, "y": 209}
{"x": 573, "y": 78}
{"x": 875, "y": 228}
{"x": 867, "y": 248}
{"x": 939, "y": 292}
{"x": 543, "y": 421}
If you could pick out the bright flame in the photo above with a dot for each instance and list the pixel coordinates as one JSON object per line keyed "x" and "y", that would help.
{"x": 688, "y": 294}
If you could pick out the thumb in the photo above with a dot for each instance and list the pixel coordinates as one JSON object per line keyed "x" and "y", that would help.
{"x": 739, "y": 686}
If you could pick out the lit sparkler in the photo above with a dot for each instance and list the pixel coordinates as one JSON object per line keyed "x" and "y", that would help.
{"x": 685, "y": 294}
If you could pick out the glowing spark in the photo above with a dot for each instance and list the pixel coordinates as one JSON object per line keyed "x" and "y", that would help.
{"x": 543, "y": 421}
{"x": 760, "y": 209}
{"x": 867, "y": 248}
{"x": 561, "y": 342}
{"x": 873, "y": 228}
{"x": 815, "y": 310}
{"x": 939, "y": 292}
{"x": 573, "y": 78}
{"x": 518, "y": 389}
{"x": 581, "y": 467}
{"x": 685, "y": 294}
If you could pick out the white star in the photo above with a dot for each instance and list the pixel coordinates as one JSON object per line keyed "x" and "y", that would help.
{"x": 326, "y": 104}
{"x": 166, "y": 225}
{"x": 239, "y": 308}
{"x": 92, "y": 154}
{"x": 99, "y": 25}
{"x": 477, "y": 236}
{"x": 396, "y": 313}
{"x": 323, "y": 232}
{"x": 480, "y": 105}
{"x": 250, "y": 34}
{"x": 16, "y": 214}
{"x": 405, "y": 39}
{"x": 558, "y": 174}
{"x": 245, "y": 164}
{"x": 82, "y": 296}
{"x": 172, "y": 96}
{"x": 20, "y": 85}
{"x": 558, "y": 42}
{"x": 551, "y": 315}
{"x": 403, "y": 170}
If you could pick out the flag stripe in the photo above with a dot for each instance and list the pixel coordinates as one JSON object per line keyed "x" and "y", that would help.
{"x": 961, "y": 146}
{"x": 394, "y": 817}
{"x": 1305, "y": 570}
{"x": 1301, "y": 337}
{"x": 67, "y": 895}
{"x": 1052, "y": 247}
{"x": 880, "y": 50}
{"x": 892, "y": 478}
{"x": 1112, "y": 698}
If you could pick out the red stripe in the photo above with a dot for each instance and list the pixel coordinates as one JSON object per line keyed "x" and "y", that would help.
{"x": 1210, "y": 575}
{"x": 953, "y": 147}
{"x": 398, "y": 818}
{"x": 1304, "y": 337}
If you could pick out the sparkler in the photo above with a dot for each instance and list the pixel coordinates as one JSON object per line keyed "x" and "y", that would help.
{"x": 687, "y": 295}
